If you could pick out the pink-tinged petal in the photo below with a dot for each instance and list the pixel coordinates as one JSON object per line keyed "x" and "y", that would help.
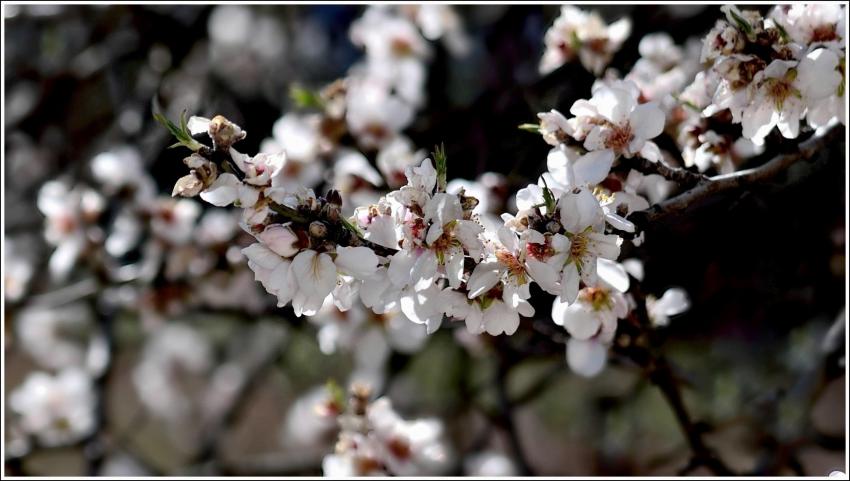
{"x": 280, "y": 239}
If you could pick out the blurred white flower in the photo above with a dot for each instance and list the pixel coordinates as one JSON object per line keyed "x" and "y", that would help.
{"x": 56, "y": 409}
{"x": 577, "y": 34}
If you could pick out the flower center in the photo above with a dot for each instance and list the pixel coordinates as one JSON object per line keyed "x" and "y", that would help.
{"x": 619, "y": 137}
{"x": 578, "y": 246}
{"x": 598, "y": 298}
{"x": 399, "y": 448}
{"x": 824, "y": 33}
{"x": 779, "y": 90}
{"x": 401, "y": 47}
{"x": 510, "y": 261}
{"x": 540, "y": 251}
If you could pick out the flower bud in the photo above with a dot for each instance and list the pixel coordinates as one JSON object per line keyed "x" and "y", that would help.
{"x": 224, "y": 132}
{"x": 318, "y": 229}
{"x": 187, "y": 186}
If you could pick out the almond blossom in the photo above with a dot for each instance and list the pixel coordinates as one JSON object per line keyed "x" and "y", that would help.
{"x": 612, "y": 123}
{"x": 577, "y": 34}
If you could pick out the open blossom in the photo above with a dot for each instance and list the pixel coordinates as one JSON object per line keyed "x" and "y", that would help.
{"x": 592, "y": 322}
{"x": 69, "y": 213}
{"x": 813, "y": 23}
{"x": 567, "y": 260}
{"x": 674, "y": 301}
{"x": 577, "y": 34}
{"x": 407, "y": 448}
{"x": 613, "y": 123}
{"x": 173, "y": 352}
{"x": 308, "y": 277}
{"x": 486, "y": 314}
{"x": 783, "y": 89}
{"x": 56, "y": 409}
{"x": 375, "y": 440}
{"x": 436, "y": 234}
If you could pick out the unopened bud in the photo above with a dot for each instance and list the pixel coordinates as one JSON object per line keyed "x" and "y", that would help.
{"x": 187, "y": 186}
{"x": 318, "y": 229}
{"x": 224, "y": 132}
{"x": 334, "y": 197}
{"x": 553, "y": 226}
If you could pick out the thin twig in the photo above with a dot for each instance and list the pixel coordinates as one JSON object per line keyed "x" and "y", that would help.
{"x": 682, "y": 177}
{"x": 680, "y": 204}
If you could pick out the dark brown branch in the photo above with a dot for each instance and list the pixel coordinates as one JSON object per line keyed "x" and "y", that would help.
{"x": 703, "y": 191}
{"x": 682, "y": 177}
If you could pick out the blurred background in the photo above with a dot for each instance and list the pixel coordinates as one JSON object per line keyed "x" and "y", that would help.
{"x": 136, "y": 341}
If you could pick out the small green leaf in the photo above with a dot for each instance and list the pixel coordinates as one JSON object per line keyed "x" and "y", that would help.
{"x": 336, "y": 393}
{"x": 305, "y": 98}
{"x": 350, "y": 226}
{"x": 181, "y": 132}
{"x": 535, "y": 128}
{"x": 548, "y": 198}
{"x": 742, "y": 23}
{"x": 441, "y": 166}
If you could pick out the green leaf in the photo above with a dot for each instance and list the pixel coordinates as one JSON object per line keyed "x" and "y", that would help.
{"x": 535, "y": 128}
{"x": 181, "y": 132}
{"x": 305, "y": 98}
{"x": 441, "y": 166}
{"x": 353, "y": 228}
{"x": 742, "y": 23}
{"x": 336, "y": 393}
{"x": 548, "y": 198}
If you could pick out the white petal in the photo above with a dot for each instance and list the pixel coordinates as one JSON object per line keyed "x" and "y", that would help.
{"x": 483, "y": 278}
{"x": 613, "y": 273}
{"x": 224, "y": 191}
{"x": 360, "y": 262}
{"x": 647, "y": 121}
{"x": 262, "y": 255}
{"x": 580, "y": 322}
{"x": 401, "y": 264}
{"x": 586, "y": 358}
{"x": 543, "y": 274}
{"x": 198, "y": 125}
{"x": 593, "y": 167}
{"x": 454, "y": 268}
{"x": 569, "y": 283}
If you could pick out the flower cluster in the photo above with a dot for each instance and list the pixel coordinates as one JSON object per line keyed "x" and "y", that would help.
{"x": 776, "y": 71}
{"x": 374, "y": 441}
{"x": 583, "y": 36}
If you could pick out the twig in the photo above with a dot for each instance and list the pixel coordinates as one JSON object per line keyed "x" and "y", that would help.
{"x": 506, "y": 417}
{"x": 660, "y": 374}
{"x": 681, "y": 203}
{"x": 683, "y": 177}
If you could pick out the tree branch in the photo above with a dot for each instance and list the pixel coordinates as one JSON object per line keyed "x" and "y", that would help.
{"x": 682, "y": 177}
{"x": 680, "y": 204}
